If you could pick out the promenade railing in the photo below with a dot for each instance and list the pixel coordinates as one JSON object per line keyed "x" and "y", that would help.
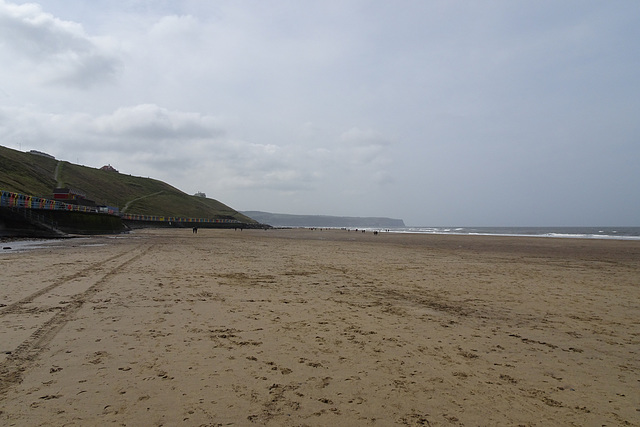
{"x": 16, "y": 200}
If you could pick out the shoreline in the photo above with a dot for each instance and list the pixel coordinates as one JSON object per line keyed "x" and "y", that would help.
{"x": 446, "y": 231}
{"x": 309, "y": 327}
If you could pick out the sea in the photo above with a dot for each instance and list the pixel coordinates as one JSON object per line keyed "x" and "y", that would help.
{"x": 615, "y": 233}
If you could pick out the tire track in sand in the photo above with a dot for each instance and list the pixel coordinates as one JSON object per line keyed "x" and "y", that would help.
{"x": 12, "y": 368}
{"x": 18, "y": 305}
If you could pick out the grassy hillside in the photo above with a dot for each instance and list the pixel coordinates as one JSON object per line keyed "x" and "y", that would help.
{"x": 26, "y": 173}
{"x": 36, "y": 175}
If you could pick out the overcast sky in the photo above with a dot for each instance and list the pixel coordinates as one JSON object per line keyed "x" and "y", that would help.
{"x": 437, "y": 112}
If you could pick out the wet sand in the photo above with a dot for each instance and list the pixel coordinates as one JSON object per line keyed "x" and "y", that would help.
{"x": 300, "y": 327}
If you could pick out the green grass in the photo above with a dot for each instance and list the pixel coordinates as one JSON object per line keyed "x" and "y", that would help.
{"x": 25, "y": 173}
{"x": 35, "y": 175}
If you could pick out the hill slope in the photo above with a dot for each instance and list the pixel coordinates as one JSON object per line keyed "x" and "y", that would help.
{"x": 38, "y": 175}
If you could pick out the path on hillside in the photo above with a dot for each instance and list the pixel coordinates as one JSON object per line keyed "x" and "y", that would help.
{"x": 56, "y": 175}
{"x": 126, "y": 206}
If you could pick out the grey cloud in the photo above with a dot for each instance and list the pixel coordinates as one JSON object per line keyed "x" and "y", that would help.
{"x": 467, "y": 115}
{"x": 149, "y": 121}
{"x": 68, "y": 55}
{"x": 364, "y": 137}
{"x": 173, "y": 26}
{"x": 153, "y": 141}
{"x": 365, "y": 150}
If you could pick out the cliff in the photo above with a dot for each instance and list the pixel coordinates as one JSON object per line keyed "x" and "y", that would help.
{"x": 287, "y": 220}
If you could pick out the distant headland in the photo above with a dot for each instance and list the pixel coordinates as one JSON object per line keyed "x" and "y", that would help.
{"x": 288, "y": 220}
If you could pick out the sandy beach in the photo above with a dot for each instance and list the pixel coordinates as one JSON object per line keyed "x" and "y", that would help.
{"x": 317, "y": 328}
